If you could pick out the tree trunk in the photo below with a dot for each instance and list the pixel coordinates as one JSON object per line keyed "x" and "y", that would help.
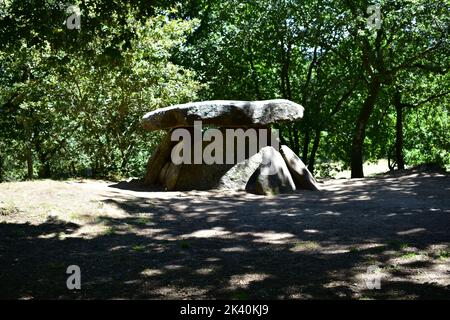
{"x": 254, "y": 73}
{"x": 399, "y": 132}
{"x": 1, "y": 168}
{"x": 315, "y": 147}
{"x": 28, "y": 152}
{"x": 44, "y": 170}
{"x": 360, "y": 132}
{"x": 290, "y": 135}
{"x": 296, "y": 146}
{"x": 29, "y": 159}
{"x": 306, "y": 147}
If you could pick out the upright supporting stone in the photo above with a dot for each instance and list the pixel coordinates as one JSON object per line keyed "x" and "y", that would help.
{"x": 302, "y": 176}
{"x": 158, "y": 159}
{"x": 272, "y": 176}
{"x": 237, "y": 177}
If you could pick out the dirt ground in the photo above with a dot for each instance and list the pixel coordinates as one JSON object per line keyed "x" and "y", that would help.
{"x": 134, "y": 243}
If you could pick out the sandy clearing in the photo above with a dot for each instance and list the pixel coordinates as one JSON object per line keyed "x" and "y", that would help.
{"x": 165, "y": 245}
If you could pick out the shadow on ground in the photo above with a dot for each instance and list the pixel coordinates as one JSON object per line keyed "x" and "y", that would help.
{"x": 235, "y": 246}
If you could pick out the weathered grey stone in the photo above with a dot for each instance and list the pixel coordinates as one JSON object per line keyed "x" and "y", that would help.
{"x": 218, "y": 176}
{"x": 272, "y": 176}
{"x": 171, "y": 177}
{"x": 224, "y": 113}
{"x": 301, "y": 175}
{"x": 162, "y": 174}
{"x": 158, "y": 159}
{"x": 237, "y": 177}
{"x": 200, "y": 176}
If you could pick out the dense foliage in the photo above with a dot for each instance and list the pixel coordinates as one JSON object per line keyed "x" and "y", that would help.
{"x": 67, "y": 112}
{"x": 71, "y": 100}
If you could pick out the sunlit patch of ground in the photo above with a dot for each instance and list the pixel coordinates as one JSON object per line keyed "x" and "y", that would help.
{"x": 370, "y": 169}
{"x": 133, "y": 243}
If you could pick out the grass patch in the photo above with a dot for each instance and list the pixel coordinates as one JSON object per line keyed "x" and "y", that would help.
{"x": 371, "y": 260}
{"x": 354, "y": 250}
{"x": 74, "y": 215}
{"x": 184, "y": 245}
{"x": 443, "y": 255}
{"x": 142, "y": 221}
{"x": 239, "y": 296}
{"x": 392, "y": 267}
{"x": 138, "y": 248}
{"x": 126, "y": 227}
{"x": 306, "y": 245}
{"x": 8, "y": 208}
{"x": 99, "y": 204}
{"x": 408, "y": 255}
{"x": 101, "y": 219}
{"x": 110, "y": 231}
{"x": 398, "y": 245}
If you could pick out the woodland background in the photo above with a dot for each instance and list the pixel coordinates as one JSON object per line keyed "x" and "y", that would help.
{"x": 71, "y": 100}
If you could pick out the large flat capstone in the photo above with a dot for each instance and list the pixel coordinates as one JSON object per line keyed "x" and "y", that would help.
{"x": 224, "y": 113}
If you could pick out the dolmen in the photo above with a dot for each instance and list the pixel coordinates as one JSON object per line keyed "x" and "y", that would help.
{"x": 228, "y": 145}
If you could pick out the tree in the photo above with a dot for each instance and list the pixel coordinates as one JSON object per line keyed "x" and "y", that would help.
{"x": 410, "y": 36}
{"x": 74, "y": 110}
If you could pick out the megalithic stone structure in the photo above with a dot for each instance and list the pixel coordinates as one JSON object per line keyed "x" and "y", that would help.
{"x": 240, "y": 174}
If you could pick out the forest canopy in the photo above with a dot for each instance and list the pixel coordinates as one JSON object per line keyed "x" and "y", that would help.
{"x": 73, "y": 92}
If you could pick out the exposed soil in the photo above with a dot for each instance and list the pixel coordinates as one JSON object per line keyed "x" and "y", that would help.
{"x": 227, "y": 245}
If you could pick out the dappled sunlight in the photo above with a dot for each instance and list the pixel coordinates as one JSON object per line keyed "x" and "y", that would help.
{"x": 272, "y": 237}
{"x": 411, "y": 231}
{"x": 216, "y": 232}
{"x": 328, "y": 213}
{"x": 438, "y": 274}
{"x": 172, "y": 267}
{"x": 305, "y": 246}
{"x": 205, "y": 271}
{"x": 106, "y": 107}
{"x": 151, "y": 272}
{"x": 311, "y": 231}
{"x": 219, "y": 244}
{"x": 244, "y": 280}
{"x": 235, "y": 249}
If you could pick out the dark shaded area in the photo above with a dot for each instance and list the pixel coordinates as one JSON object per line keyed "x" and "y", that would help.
{"x": 201, "y": 245}
{"x": 136, "y": 185}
